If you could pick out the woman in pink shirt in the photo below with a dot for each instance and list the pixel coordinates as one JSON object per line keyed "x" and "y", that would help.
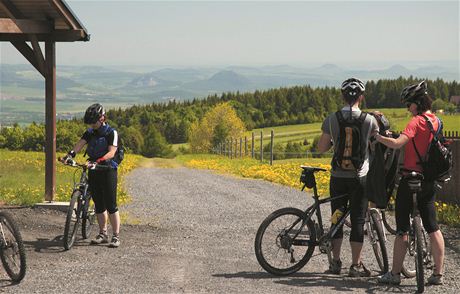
{"x": 417, "y": 130}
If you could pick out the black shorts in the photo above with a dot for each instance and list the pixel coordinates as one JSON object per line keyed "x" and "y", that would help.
{"x": 103, "y": 188}
{"x": 425, "y": 203}
{"x": 355, "y": 188}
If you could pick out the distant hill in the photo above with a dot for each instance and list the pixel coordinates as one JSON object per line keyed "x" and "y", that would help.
{"x": 79, "y": 85}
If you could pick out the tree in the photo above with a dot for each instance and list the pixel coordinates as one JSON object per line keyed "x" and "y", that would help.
{"x": 218, "y": 124}
{"x": 155, "y": 144}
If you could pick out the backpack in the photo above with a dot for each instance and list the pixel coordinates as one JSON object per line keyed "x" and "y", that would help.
{"x": 349, "y": 154}
{"x": 101, "y": 139}
{"x": 120, "y": 153}
{"x": 438, "y": 162}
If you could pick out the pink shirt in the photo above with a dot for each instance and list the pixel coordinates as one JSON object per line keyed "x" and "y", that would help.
{"x": 418, "y": 129}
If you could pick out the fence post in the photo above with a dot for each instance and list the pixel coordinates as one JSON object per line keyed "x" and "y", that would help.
{"x": 231, "y": 148}
{"x": 241, "y": 145}
{"x": 261, "y": 146}
{"x": 245, "y": 146}
{"x": 236, "y": 147}
{"x": 271, "y": 147}
{"x": 252, "y": 146}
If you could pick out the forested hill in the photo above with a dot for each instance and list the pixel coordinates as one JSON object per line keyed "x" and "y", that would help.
{"x": 283, "y": 106}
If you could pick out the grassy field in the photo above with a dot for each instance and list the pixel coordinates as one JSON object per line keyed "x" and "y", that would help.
{"x": 22, "y": 177}
{"x": 399, "y": 117}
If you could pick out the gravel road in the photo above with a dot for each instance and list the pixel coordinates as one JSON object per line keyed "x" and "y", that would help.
{"x": 194, "y": 233}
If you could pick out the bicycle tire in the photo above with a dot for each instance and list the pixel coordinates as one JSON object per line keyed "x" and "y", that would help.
{"x": 14, "y": 245}
{"x": 419, "y": 256}
{"x": 297, "y": 216}
{"x": 388, "y": 227}
{"x": 72, "y": 220}
{"x": 88, "y": 219}
{"x": 379, "y": 247}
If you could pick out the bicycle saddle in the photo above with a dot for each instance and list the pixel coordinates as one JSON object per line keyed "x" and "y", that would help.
{"x": 412, "y": 175}
{"x": 312, "y": 169}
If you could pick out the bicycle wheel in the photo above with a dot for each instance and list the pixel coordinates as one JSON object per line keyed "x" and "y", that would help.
{"x": 88, "y": 219}
{"x": 378, "y": 240}
{"x": 12, "y": 253}
{"x": 388, "y": 226}
{"x": 419, "y": 254}
{"x": 72, "y": 220}
{"x": 285, "y": 241}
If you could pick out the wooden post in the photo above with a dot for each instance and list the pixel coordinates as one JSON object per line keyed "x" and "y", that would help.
{"x": 241, "y": 146}
{"x": 245, "y": 146}
{"x": 252, "y": 146}
{"x": 261, "y": 146}
{"x": 271, "y": 147}
{"x": 231, "y": 148}
{"x": 50, "y": 121}
{"x": 236, "y": 148}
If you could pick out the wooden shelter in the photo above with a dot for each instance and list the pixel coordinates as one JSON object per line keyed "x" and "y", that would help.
{"x": 26, "y": 23}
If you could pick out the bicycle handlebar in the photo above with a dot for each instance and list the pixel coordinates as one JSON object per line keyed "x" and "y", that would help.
{"x": 86, "y": 166}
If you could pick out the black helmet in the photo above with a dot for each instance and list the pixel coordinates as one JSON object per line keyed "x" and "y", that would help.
{"x": 94, "y": 113}
{"x": 352, "y": 88}
{"x": 413, "y": 93}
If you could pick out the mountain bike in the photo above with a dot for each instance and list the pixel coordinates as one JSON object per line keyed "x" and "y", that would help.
{"x": 81, "y": 208}
{"x": 285, "y": 248}
{"x": 418, "y": 243}
{"x": 12, "y": 252}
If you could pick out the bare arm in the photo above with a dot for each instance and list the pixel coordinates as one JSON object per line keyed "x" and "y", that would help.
{"x": 391, "y": 142}
{"x": 108, "y": 155}
{"x": 80, "y": 144}
{"x": 324, "y": 143}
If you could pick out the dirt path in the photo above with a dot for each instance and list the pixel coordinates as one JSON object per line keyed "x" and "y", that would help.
{"x": 196, "y": 235}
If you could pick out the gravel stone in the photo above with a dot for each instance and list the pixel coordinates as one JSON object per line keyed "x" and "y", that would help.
{"x": 196, "y": 235}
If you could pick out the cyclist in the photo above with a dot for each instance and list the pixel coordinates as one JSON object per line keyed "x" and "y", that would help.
{"x": 102, "y": 143}
{"x": 418, "y": 103}
{"x": 349, "y": 181}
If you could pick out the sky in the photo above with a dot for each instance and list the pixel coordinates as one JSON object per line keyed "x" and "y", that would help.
{"x": 182, "y": 34}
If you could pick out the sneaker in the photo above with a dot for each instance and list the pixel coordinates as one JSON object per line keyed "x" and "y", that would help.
{"x": 390, "y": 278}
{"x": 115, "y": 242}
{"x": 358, "y": 270}
{"x": 435, "y": 280}
{"x": 101, "y": 238}
{"x": 335, "y": 267}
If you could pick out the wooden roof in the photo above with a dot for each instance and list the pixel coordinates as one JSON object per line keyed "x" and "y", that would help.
{"x": 41, "y": 20}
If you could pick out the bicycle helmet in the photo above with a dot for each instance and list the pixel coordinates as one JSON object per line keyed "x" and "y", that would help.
{"x": 94, "y": 113}
{"x": 413, "y": 93}
{"x": 352, "y": 88}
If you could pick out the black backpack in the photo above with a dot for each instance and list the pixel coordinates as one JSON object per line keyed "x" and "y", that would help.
{"x": 349, "y": 154}
{"x": 120, "y": 153}
{"x": 437, "y": 163}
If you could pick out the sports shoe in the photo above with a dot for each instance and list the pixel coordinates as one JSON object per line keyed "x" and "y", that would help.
{"x": 115, "y": 242}
{"x": 335, "y": 267}
{"x": 435, "y": 279}
{"x": 358, "y": 270}
{"x": 101, "y": 238}
{"x": 390, "y": 278}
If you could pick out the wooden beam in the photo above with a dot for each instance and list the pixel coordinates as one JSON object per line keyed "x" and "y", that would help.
{"x": 29, "y": 54}
{"x": 65, "y": 13}
{"x": 56, "y": 36}
{"x": 38, "y": 54}
{"x": 10, "y": 9}
{"x": 25, "y": 26}
{"x": 50, "y": 121}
